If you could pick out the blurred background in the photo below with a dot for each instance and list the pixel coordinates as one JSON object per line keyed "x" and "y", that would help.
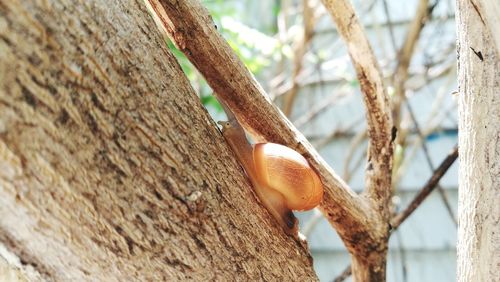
{"x": 293, "y": 49}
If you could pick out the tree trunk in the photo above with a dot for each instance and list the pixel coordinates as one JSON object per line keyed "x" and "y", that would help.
{"x": 479, "y": 144}
{"x": 372, "y": 268}
{"x": 110, "y": 168}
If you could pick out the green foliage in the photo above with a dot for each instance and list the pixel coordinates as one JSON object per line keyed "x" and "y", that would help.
{"x": 253, "y": 47}
{"x": 210, "y": 100}
{"x": 183, "y": 61}
{"x": 276, "y": 10}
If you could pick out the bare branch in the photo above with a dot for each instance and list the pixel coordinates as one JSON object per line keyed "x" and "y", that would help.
{"x": 340, "y": 131}
{"x": 394, "y": 24}
{"x": 401, "y": 76}
{"x": 311, "y": 224}
{"x": 405, "y": 55}
{"x": 357, "y": 164}
{"x": 378, "y": 173}
{"x": 317, "y": 109}
{"x": 356, "y": 141}
{"x": 432, "y": 124}
{"x": 427, "y": 189}
{"x": 402, "y": 253}
{"x": 343, "y": 276}
{"x": 427, "y": 155}
{"x": 309, "y": 19}
{"x": 390, "y": 25}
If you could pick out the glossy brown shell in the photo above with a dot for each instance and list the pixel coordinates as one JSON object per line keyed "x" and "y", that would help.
{"x": 283, "y": 169}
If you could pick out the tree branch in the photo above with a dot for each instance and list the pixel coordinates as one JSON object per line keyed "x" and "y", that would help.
{"x": 324, "y": 105}
{"x": 309, "y": 20}
{"x": 404, "y": 57}
{"x": 344, "y": 275}
{"x": 191, "y": 28}
{"x": 427, "y": 189}
{"x": 427, "y": 156}
{"x": 378, "y": 173}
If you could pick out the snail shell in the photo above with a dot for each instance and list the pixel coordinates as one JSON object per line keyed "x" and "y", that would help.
{"x": 285, "y": 170}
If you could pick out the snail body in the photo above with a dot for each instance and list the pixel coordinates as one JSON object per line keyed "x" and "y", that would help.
{"x": 282, "y": 178}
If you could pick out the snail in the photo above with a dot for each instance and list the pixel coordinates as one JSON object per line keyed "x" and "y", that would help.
{"x": 282, "y": 178}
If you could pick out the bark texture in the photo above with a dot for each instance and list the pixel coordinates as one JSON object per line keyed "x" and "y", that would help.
{"x": 110, "y": 168}
{"x": 478, "y": 244}
{"x": 10, "y": 273}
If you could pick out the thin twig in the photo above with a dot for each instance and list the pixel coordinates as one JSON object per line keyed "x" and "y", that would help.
{"x": 441, "y": 191}
{"x": 402, "y": 253}
{"x": 427, "y": 189}
{"x": 343, "y": 276}
{"x": 357, "y": 165}
{"x": 338, "y": 132}
{"x": 437, "y": 72}
{"x": 390, "y": 25}
{"x": 309, "y": 19}
{"x": 404, "y": 57}
{"x": 281, "y": 26}
{"x": 396, "y": 23}
{"x": 311, "y": 224}
{"x": 432, "y": 126}
{"x": 355, "y": 142}
{"x": 316, "y": 110}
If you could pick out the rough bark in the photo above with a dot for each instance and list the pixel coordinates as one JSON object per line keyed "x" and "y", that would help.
{"x": 10, "y": 273}
{"x": 110, "y": 168}
{"x": 478, "y": 243}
